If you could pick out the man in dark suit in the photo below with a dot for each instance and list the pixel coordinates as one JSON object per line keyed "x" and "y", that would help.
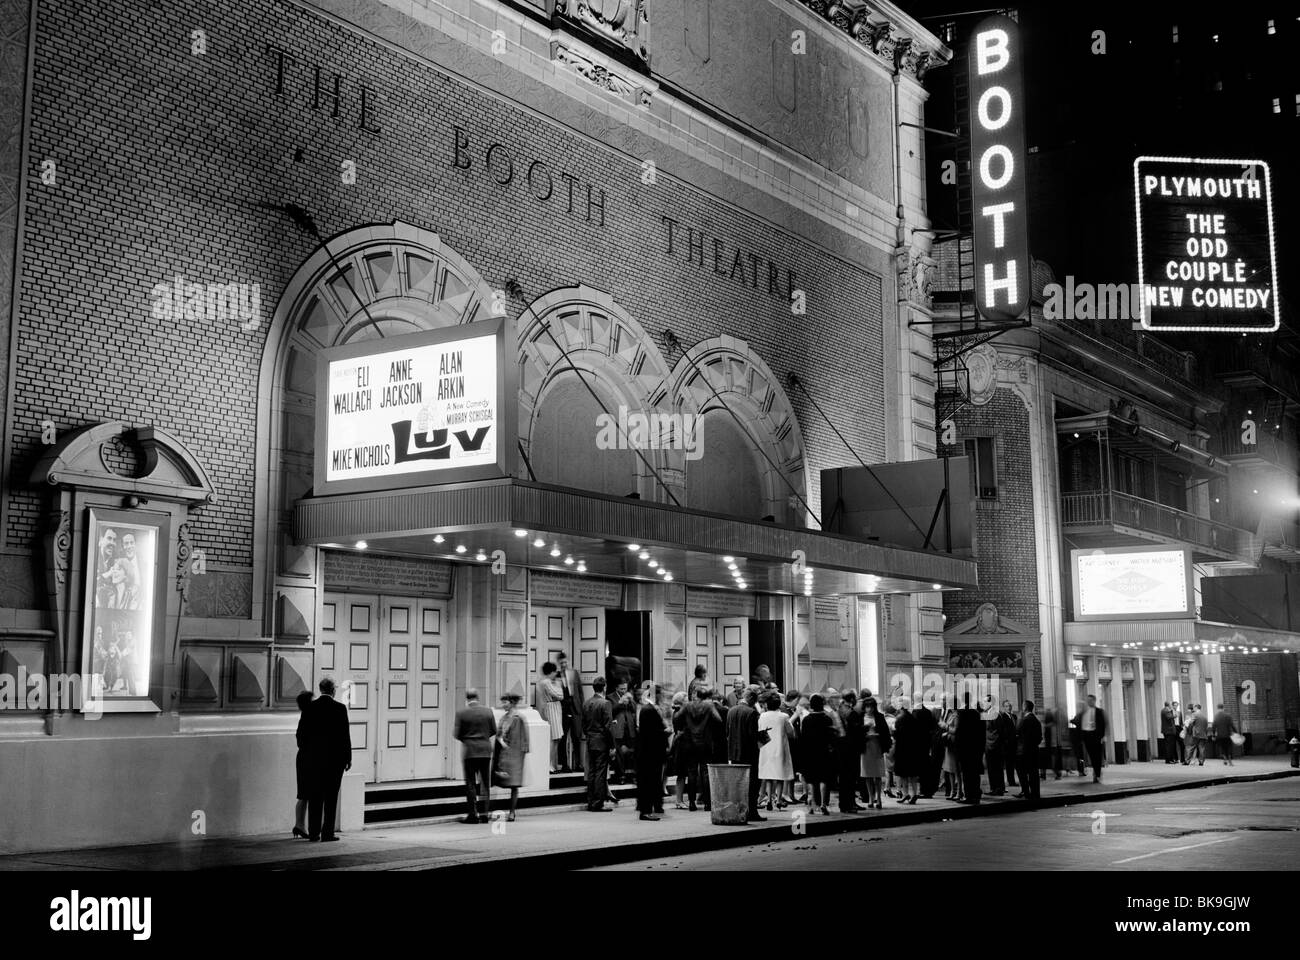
{"x": 926, "y": 726}
{"x": 1009, "y": 756}
{"x": 1091, "y": 722}
{"x": 475, "y": 727}
{"x": 1179, "y": 720}
{"x": 651, "y": 749}
{"x": 971, "y": 738}
{"x": 328, "y": 745}
{"x": 570, "y": 713}
{"x": 624, "y": 730}
{"x": 1029, "y": 733}
{"x": 998, "y": 732}
{"x": 742, "y": 743}
{"x": 1169, "y": 733}
{"x": 597, "y": 728}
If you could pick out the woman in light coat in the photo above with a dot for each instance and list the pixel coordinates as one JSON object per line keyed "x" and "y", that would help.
{"x": 549, "y": 696}
{"x": 775, "y": 761}
{"x": 511, "y": 749}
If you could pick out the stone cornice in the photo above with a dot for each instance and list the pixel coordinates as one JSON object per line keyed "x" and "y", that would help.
{"x": 889, "y": 35}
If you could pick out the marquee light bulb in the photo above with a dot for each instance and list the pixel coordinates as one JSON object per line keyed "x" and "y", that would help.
{"x": 634, "y": 547}
{"x": 568, "y": 561}
{"x": 539, "y": 543}
{"x": 644, "y": 555}
{"x": 361, "y": 544}
{"x": 440, "y": 539}
{"x": 555, "y": 550}
{"x": 521, "y": 533}
{"x": 460, "y": 548}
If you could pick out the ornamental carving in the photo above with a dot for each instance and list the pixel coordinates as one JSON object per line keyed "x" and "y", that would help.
{"x": 901, "y": 54}
{"x": 183, "y": 550}
{"x": 61, "y": 528}
{"x": 622, "y": 21}
{"x": 599, "y": 75}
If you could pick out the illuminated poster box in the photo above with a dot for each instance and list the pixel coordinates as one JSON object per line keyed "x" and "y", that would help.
{"x": 1206, "y": 256}
{"x": 1132, "y": 583}
{"x": 432, "y": 407}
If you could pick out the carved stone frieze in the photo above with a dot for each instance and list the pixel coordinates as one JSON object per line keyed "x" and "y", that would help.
{"x": 902, "y": 54}
{"x": 599, "y": 74}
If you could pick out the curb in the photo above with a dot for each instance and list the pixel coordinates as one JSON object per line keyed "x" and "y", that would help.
{"x": 609, "y": 855}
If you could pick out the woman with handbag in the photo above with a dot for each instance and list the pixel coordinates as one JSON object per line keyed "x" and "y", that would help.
{"x": 511, "y": 748}
{"x": 877, "y": 744}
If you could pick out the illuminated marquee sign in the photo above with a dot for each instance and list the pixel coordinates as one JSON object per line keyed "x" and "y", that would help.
{"x": 430, "y": 407}
{"x": 1002, "y": 277}
{"x": 1132, "y": 583}
{"x": 1206, "y": 260}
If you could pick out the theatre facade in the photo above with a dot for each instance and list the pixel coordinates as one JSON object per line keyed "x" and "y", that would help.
{"x": 414, "y": 344}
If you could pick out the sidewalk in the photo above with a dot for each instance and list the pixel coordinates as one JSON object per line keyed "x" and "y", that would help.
{"x": 572, "y": 838}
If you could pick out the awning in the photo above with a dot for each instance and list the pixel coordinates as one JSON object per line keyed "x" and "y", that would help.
{"x": 596, "y": 532}
{"x": 1144, "y": 443}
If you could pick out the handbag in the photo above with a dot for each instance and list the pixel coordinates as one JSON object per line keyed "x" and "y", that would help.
{"x": 498, "y": 775}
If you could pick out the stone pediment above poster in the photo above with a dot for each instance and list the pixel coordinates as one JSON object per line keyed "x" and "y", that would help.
{"x": 988, "y": 624}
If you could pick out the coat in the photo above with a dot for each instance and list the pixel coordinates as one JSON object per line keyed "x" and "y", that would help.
{"x": 475, "y": 727}
{"x": 1029, "y": 734}
{"x": 970, "y": 734}
{"x": 1167, "y": 728}
{"x": 911, "y": 743}
{"x": 816, "y": 747}
{"x": 325, "y": 738}
{"x": 742, "y": 735}
{"x": 651, "y": 737}
{"x": 512, "y": 747}
{"x": 1224, "y": 725}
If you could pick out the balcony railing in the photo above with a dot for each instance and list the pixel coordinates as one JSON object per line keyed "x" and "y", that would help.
{"x": 1096, "y": 508}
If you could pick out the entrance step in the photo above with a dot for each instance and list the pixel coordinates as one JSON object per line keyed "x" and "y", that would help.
{"x": 389, "y": 803}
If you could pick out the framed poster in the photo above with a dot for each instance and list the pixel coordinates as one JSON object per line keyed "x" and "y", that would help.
{"x": 125, "y": 607}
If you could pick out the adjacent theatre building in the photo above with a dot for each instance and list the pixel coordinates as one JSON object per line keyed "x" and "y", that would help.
{"x": 414, "y": 343}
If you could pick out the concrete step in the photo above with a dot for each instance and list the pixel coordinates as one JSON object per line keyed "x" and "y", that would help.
{"x": 436, "y": 800}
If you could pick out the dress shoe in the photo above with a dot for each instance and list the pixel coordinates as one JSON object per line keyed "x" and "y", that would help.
{"x": 328, "y": 839}
{"x": 599, "y": 810}
{"x": 755, "y": 818}
{"x": 314, "y": 837}
{"x": 659, "y": 810}
{"x": 903, "y": 799}
{"x": 649, "y": 816}
{"x": 469, "y": 819}
{"x": 299, "y": 833}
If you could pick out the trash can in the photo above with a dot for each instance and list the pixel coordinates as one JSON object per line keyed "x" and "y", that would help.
{"x": 729, "y": 793}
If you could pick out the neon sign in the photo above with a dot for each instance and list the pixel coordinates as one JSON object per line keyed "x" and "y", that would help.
{"x": 1002, "y": 275}
{"x": 1206, "y": 256}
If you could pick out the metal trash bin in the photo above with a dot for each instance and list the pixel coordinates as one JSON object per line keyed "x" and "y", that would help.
{"x": 729, "y": 793}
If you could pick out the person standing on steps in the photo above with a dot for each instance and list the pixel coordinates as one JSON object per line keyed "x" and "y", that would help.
{"x": 597, "y": 729}
{"x": 571, "y": 703}
{"x": 474, "y": 728}
{"x": 651, "y": 750}
{"x": 329, "y": 751}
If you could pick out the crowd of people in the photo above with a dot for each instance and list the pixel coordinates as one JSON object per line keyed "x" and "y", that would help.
{"x": 1186, "y": 735}
{"x": 801, "y": 750}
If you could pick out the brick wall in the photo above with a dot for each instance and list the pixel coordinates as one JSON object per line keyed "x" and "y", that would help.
{"x": 165, "y": 156}
{"x": 1004, "y": 528}
{"x": 1274, "y": 692}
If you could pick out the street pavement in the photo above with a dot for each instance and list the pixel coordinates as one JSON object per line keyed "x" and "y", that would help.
{"x": 1240, "y": 826}
{"x": 571, "y": 838}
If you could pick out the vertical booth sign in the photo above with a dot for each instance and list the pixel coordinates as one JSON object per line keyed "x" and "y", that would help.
{"x": 999, "y": 207}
